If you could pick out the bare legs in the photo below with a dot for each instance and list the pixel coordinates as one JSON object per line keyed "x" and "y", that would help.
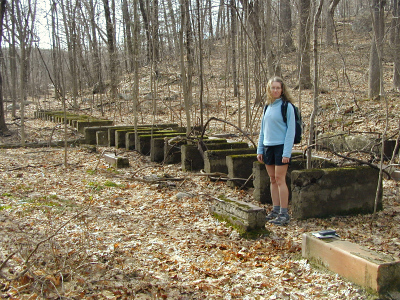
{"x": 279, "y": 189}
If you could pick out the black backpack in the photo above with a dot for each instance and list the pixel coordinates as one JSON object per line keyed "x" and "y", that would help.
{"x": 297, "y": 115}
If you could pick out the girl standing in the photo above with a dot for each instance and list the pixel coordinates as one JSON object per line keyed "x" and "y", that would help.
{"x": 275, "y": 145}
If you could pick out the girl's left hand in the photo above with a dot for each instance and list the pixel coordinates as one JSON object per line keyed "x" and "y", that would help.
{"x": 285, "y": 160}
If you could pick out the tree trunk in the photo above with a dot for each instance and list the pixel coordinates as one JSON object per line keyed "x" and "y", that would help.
{"x": 13, "y": 65}
{"x": 220, "y": 17}
{"x": 99, "y": 85}
{"x": 186, "y": 74}
{"x": 396, "y": 67}
{"x": 330, "y": 22}
{"x": 69, "y": 13}
{"x": 24, "y": 23}
{"x": 394, "y": 23}
{"x": 155, "y": 33}
{"x": 128, "y": 35}
{"x": 304, "y": 59}
{"x": 200, "y": 31}
{"x": 111, "y": 50}
{"x": 147, "y": 29}
{"x": 210, "y": 20}
{"x": 253, "y": 13}
{"x": 56, "y": 53}
{"x": 375, "y": 59}
{"x": 3, "y": 126}
{"x": 273, "y": 69}
{"x": 173, "y": 21}
{"x": 135, "y": 91}
{"x": 316, "y": 86}
{"x": 233, "y": 47}
{"x": 170, "y": 37}
{"x": 285, "y": 18}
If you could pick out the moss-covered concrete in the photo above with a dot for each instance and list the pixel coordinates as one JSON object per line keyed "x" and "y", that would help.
{"x": 243, "y": 216}
{"x": 334, "y": 191}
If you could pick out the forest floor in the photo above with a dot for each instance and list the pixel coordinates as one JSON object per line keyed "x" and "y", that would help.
{"x": 88, "y": 231}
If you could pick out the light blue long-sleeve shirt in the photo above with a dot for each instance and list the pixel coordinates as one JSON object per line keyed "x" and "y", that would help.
{"x": 274, "y": 131}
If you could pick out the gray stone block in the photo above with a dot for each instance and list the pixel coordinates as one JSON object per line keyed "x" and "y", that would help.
{"x": 245, "y": 216}
{"x": 240, "y": 168}
{"x": 215, "y": 160}
{"x": 336, "y": 191}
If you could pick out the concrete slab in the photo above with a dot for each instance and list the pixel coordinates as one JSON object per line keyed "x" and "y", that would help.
{"x": 370, "y": 269}
{"x": 245, "y": 216}
{"x": 116, "y": 161}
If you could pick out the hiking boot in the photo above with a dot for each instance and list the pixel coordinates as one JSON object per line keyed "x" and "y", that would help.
{"x": 272, "y": 215}
{"x": 281, "y": 220}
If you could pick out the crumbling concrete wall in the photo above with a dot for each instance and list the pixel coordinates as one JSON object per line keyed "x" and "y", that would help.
{"x": 334, "y": 191}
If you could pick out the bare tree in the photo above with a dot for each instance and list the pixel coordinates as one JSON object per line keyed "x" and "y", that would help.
{"x": 25, "y": 20}
{"x": 111, "y": 50}
{"x": 13, "y": 62}
{"x": 56, "y": 54}
{"x": 304, "y": 59}
{"x": 146, "y": 23}
{"x": 135, "y": 90}
{"x": 285, "y": 21}
{"x": 396, "y": 45}
{"x": 3, "y": 126}
{"x": 316, "y": 84}
{"x": 220, "y": 19}
{"x": 70, "y": 16}
{"x": 200, "y": 32}
{"x": 233, "y": 23}
{"x": 252, "y": 9}
{"x": 375, "y": 59}
{"x": 90, "y": 7}
{"x": 128, "y": 35}
{"x": 171, "y": 15}
{"x": 330, "y": 21}
{"x": 186, "y": 73}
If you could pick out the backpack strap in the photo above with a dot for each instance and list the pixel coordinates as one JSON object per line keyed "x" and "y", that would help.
{"x": 284, "y": 110}
{"x": 265, "y": 108}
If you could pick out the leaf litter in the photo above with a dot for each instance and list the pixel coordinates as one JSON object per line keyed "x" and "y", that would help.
{"x": 134, "y": 239}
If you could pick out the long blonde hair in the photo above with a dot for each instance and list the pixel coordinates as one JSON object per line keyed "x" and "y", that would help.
{"x": 286, "y": 96}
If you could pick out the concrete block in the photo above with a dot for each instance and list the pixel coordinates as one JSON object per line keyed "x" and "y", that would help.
{"x": 215, "y": 160}
{"x": 116, "y": 161}
{"x": 111, "y": 133}
{"x": 240, "y": 168}
{"x": 192, "y": 159}
{"x": 102, "y": 138}
{"x": 143, "y": 143}
{"x": 320, "y": 193}
{"x": 157, "y": 145}
{"x": 90, "y": 134}
{"x": 81, "y": 124}
{"x": 245, "y": 216}
{"x": 370, "y": 269}
{"x": 172, "y": 151}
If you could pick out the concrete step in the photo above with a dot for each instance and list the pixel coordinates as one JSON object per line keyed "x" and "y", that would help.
{"x": 370, "y": 269}
{"x": 244, "y": 216}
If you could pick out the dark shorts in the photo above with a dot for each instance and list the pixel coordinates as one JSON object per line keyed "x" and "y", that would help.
{"x": 273, "y": 155}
